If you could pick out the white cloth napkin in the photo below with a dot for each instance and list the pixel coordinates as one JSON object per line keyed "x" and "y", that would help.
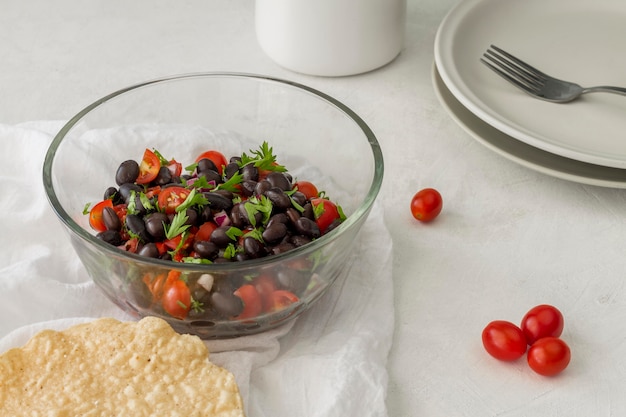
{"x": 331, "y": 361}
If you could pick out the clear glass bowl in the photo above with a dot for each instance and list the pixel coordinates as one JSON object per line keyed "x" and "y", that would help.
{"x": 316, "y": 137}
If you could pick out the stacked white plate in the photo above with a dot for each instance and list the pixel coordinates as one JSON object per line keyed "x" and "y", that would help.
{"x": 577, "y": 40}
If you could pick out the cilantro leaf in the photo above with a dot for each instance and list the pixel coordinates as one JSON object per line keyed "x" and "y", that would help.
{"x": 263, "y": 158}
{"x": 86, "y": 208}
{"x": 233, "y": 233}
{"x": 193, "y": 199}
{"x": 162, "y": 160}
{"x": 230, "y": 184}
{"x": 256, "y": 205}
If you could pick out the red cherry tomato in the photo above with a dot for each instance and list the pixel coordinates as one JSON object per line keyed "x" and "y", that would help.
{"x": 176, "y": 299}
{"x": 148, "y": 168}
{"x": 325, "y": 211}
{"x": 95, "y": 215}
{"x": 172, "y": 197}
{"x": 282, "y": 299}
{"x": 252, "y": 304}
{"x": 307, "y": 188}
{"x": 542, "y": 321}
{"x": 504, "y": 340}
{"x": 265, "y": 286}
{"x": 426, "y": 204}
{"x": 549, "y": 356}
{"x": 216, "y": 157}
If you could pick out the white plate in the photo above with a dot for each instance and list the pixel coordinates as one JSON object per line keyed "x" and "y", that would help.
{"x": 523, "y": 154}
{"x": 578, "y": 40}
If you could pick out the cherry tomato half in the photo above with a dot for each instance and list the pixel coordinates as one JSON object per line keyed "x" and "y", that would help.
{"x": 426, "y": 204}
{"x": 307, "y": 188}
{"x": 549, "y": 356}
{"x": 176, "y": 299}
{"x": 95, "y": 215}
{"x": 172, "y": 197}
{"x": 542, "y": 321}
{"x": 282, "y": 299}
{"x": 216, "y": 157}
{"x": 148, "y": 168}
{"x": 326, "y": 212}
{"x": 252, "y": 304}
{"x": 504, "y": 340}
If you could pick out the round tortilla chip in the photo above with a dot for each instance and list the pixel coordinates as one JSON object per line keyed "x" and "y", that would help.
{"x": 112, "y": 368}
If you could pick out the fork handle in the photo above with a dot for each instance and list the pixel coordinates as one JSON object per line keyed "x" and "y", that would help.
{"x": 605, "y": 89}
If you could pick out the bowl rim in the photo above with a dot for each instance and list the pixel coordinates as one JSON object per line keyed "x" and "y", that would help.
{"x": 361, "y": 211}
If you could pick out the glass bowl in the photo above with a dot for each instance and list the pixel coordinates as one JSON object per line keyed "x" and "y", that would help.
{"x": 313, "y": 135}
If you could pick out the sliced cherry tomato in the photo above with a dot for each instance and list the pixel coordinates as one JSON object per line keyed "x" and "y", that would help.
{"x": 175, "y": 242}
{"x": 504, "y": 340}
{"x": 216, "y": 157}
{"x": 252, "y": 304}
{"x": 542, "y": 321}
{"x": 426, "y": 204}
{"x": 325, "y": 211}
{"x": 172, "y": 197}
{"x": 204, "y": 231}
{"x": 265, "y": 286}
{"x": 549, "y": 356}
{"x": 307, "y": 188}
{"x": 176, "y": 300}
{"x": 95, "y": 215}
{"x": 282, "y": 299}
{"x": 175, "y": 168}
{"x": 148, "y": 168}
{"x": 155, "y": 284}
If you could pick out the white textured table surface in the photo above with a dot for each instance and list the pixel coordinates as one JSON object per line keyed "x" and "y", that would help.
{"x": 508, "y": 238}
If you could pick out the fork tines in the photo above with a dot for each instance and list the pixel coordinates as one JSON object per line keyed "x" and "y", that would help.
{"x": 513, "y": 69}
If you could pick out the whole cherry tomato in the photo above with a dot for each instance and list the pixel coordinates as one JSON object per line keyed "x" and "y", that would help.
{"x": 549, "y": 356}
{"x": 426, "y": 204}
{"x": 326, "y": 212}
{"x": 542, "y": 321}
{"x": 176, "y": 298}
{"x": 504, "y": 340}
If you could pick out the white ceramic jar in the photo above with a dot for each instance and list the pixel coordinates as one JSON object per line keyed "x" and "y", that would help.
{"x": 331, "y": 37}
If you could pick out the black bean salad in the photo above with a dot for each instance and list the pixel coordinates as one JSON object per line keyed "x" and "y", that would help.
{"x": 215, "y": 210}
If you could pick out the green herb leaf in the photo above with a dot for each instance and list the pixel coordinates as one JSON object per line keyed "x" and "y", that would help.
{"x": 86, "y": 208}
{"x": 192, "y": 260}
{"x": 263, "y": 158}
{"x": 177, "y": 226}
{"x": 256, "y": 234}
{"x": 233, "y": 233}
{"x": 230, "y": 184}
{"x": 162, "y": 159}
{"x": 230, "y": 251}
{"x": 145, "y": 202}
{"x": 193, "y": 199}
{"x": 256, "y": 205}
{"x": 131, "y": 208}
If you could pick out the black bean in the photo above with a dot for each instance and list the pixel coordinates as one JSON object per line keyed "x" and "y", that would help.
{"x": 299, "y": 198}
{"x": 164, "y": 176}
{"x": 226, "y": 304}
{"x": 112, "y": 237}
{"x": 231, "y": 169}
{"x": 128, "y": 171}
{"x": 253, "y": 248}
{"x": 206, "y": 249}
{"x": 211, "y": 176}
{"x": 293, "y": 215}
{"x": 241, "y": 256}
{"x": 274, "y": 233}
{"x": 261, "y": 187}
{"x": 110, "y": 219}
{"x": 250, "y": 172}
{"x": 282, "y": 248}
{"x": 155, "y": 225}
{"x": 206, "y": 164}
{"x": 136, "y": 225}
{"x": 278, "y": 218}
{"x": 278, "y": 179}
{"x": 308, "y": 212}
{"x": 113, "y": 194}
{"x": 279, "y": 199}
{"x": 217, "y": 201}
{"x": 247, "y": 187}
{"x": 126, "y": 190}
{"x": 299, "y": 240}
{"x": 220, "y": 238}
{"x": 192, "y": 217}
{"x": 307, "y": 227}
{"x": 150, "y": 250}
{"x": 206, "y": 214}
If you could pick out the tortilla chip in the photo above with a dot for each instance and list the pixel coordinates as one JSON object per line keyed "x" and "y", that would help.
{"x": 112, "y": 368}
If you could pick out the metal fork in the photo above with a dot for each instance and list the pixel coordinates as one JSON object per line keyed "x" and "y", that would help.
{"x": 535, "y": 82}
